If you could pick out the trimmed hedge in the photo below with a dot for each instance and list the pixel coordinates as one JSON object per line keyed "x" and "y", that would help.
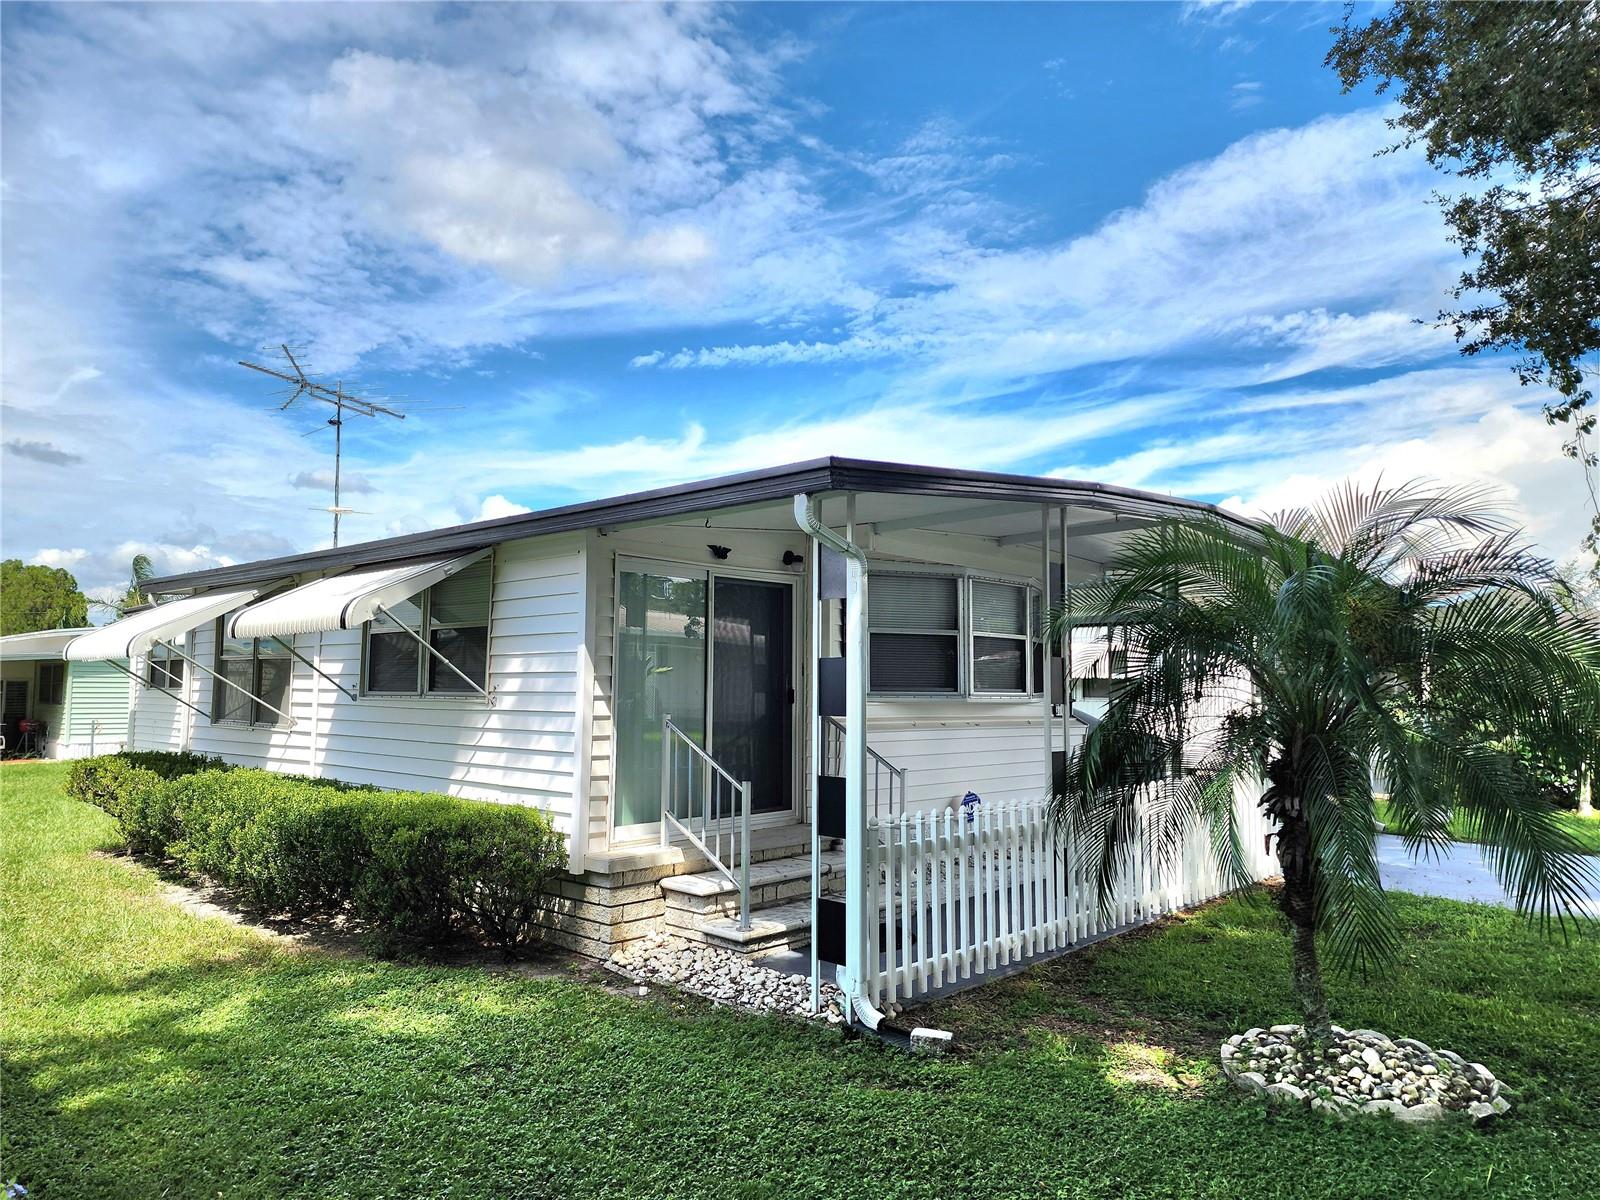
{"x": 415, "y": 868}
{"x": 129, "y": 786}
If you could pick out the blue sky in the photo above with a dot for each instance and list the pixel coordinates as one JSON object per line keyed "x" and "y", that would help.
{"x": 605, "y": 248}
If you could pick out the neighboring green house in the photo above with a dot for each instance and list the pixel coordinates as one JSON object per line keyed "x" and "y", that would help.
{"x": 59, "y": 709}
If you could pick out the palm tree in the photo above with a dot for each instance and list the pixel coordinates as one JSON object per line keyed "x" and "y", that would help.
{"x": 1405, "y": 629}
{"x": 133, "y": 596}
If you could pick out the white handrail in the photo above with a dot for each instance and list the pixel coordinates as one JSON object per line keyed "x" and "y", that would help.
{"x": 706, "y": 830}
{"x": 879, "y": 764}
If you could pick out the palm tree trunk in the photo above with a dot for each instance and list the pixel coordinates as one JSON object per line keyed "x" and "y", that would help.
{"x": 1298, "y": 903}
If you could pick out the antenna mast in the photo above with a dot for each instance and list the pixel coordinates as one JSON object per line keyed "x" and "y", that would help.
{"x": 304, "y": 384}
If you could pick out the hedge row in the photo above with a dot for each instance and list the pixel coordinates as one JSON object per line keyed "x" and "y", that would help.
{"x": 415, "y": 868}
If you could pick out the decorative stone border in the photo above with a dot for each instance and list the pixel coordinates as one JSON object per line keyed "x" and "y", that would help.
{"x": 1361, "y": 1071}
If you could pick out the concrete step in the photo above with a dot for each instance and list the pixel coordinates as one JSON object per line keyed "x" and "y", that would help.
{"x": 710, "y": 893}
{"x": 704, "y": 906}
{"x": 775, "y": 929}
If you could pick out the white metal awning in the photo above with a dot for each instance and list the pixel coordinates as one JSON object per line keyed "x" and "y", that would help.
{"x": 134, "y": 635}
{"x": 345, "y": 601}
{"x": 45, "y": 645}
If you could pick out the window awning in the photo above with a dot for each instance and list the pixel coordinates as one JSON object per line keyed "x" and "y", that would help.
{"x": 45, "y": 645}
{"x": 133, "y": 636}
{"x": 346, "y": 601}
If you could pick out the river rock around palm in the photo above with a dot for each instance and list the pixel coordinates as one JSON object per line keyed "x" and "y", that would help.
{"x": 1361, "y": 1071}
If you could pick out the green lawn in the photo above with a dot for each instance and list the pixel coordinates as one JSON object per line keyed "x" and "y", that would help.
{"x": 149, "y": 1052}
{"x": 1584, "y": 830}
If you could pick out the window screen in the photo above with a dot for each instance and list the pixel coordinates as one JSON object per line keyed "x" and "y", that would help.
{"x": 261, "y": 670}
{"x": 458, "y": 628}
{"x": 1002, "y": 636}
{"x": 999, "y": 607}
{"x": 236, "y": 664}
{"x": 164, "y": 670}
{"x": 915, "y": 625}
{"x": 455, "y": 615}
{"x": 393, "y": 655}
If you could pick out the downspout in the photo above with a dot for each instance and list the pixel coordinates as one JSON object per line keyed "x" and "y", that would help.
{"x": 854, "y": 971}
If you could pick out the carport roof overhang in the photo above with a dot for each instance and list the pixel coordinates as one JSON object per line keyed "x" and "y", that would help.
{"x": 818, "y": 477}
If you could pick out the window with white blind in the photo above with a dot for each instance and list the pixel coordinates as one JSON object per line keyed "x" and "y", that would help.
{"x": 453, "y": 615}
{"x": 954, "y": 634}
{"x": 1002, "y": 631}
{"x": 914, "y": 622}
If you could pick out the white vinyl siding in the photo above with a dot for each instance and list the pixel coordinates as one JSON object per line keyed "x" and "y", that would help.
{"x": 95, "y": 716}
{"x": 520, "y": 749}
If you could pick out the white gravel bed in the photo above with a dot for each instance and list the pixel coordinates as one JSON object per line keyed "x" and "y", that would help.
{"x": 723, "y": 976}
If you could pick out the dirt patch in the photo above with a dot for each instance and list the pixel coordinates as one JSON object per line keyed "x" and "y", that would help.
{"x": 1113, "y": 1029}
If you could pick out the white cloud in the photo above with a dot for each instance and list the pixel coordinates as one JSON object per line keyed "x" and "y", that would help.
{"x": 1216, "y": 11}
{"x": 116, "y": 563}
{"x": 350, "y": 482}
{"x": 1247, "y": 93}
{"x": 1303, "y": 235}
{"x": 498, "y": 506}
{"x": 975, "y": 434}
{"x": 418, "y": 180}
{"x": 1508, "y": 450}
{"x": 1459, "y": 424}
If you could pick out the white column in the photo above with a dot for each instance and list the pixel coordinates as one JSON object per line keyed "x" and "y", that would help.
{"x": 858, "y": 943}
{"x": 1066, "y": 647}
{"x": 856, "y": 967}
{"x": 1044, "y": 649}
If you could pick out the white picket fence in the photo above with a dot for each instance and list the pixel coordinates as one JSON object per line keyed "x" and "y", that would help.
{"x": 964, "y": 896}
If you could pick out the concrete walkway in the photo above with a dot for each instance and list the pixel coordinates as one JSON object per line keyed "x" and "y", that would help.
{"x": 1459, "y": 874}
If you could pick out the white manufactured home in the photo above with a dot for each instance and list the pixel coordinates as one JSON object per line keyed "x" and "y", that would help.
{"x": 811, "y": 700}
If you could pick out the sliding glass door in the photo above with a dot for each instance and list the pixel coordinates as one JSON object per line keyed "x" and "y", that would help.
{"x": 716, "y": 652}
{"x": 660, "y": 671}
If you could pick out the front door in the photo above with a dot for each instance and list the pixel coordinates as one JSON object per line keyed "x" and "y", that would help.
{"x": 752, "y": 696}
{"x": 716, "y": 653}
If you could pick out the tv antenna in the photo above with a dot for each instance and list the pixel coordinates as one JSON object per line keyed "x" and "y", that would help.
{"x": 303, "y": 384}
